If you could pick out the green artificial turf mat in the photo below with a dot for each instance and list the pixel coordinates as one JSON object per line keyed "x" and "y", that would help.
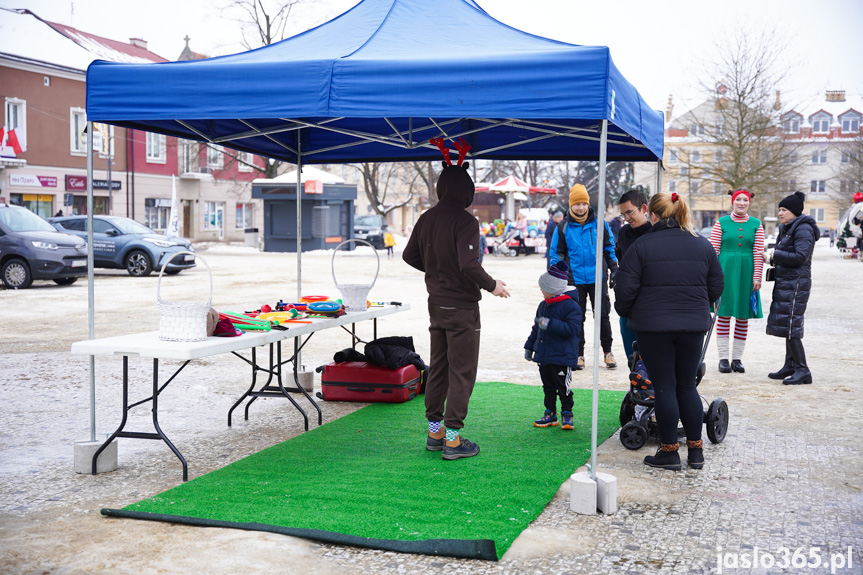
{"x": 366, "y": 479}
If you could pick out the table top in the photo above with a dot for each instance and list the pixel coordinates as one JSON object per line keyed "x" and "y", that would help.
{"x": 148, "y": 344}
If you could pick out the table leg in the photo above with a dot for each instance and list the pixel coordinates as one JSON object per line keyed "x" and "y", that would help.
{"x": 254, "y": 364}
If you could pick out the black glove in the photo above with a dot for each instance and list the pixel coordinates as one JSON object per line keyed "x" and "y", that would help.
{"x": 528, "y": 355}
{"x": 611, "y": 282}
{"x": 541, "y": 322}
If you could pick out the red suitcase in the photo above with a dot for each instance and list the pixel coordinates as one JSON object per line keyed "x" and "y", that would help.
{"x": 361, "y": 381}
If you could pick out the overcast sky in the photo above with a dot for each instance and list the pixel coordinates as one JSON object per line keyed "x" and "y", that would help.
{"x": 659, "y": 46}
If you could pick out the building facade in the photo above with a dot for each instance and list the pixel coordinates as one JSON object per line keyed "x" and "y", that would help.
{"x": 816, "y": 141}
{"x": 43, "y": 148}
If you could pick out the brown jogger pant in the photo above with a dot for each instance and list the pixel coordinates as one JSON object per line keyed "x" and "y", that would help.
{"x": 454, "y": 355}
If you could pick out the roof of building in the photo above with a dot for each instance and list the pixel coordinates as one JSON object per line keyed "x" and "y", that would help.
{"x": 26, "y": 37}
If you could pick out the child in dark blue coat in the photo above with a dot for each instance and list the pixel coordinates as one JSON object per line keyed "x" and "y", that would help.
{"x": 553, "y": 344}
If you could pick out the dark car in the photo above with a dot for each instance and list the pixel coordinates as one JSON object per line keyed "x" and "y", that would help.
{"x": 124, "y": 243}
{"x": 370, "y": 228}
{"x": 31, "y": 249}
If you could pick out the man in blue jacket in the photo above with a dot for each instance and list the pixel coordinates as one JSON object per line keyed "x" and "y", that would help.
{"x": 574, "y": 242}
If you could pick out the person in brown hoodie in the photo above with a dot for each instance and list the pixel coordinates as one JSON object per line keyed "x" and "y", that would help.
{"x": 445, "y": 246}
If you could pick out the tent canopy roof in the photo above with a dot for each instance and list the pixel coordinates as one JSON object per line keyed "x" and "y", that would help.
{"x": 375, "y": 83}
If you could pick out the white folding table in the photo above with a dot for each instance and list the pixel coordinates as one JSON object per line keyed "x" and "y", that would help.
{"x": 149, "y": 345}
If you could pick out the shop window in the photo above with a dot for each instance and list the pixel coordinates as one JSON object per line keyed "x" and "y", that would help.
{"x": 213, "y": 215}
{"x": 157, "y": 213}
{"x": 244, "y": 216}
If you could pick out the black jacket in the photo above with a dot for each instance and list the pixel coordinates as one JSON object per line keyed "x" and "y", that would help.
{"x": 558, "y": 343}
{"x": 445, "y": 245}
{"x": 667, "y": 280}
{"x": 627, "y": 236}
{"x": 793, "y": 260}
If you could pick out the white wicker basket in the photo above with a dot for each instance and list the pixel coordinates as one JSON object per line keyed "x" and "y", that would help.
{"x": 355, "y": 296}
{"x": 183, "y": 320}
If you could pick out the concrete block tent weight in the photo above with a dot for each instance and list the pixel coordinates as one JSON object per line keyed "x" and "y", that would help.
{"x": 379, "y": 81}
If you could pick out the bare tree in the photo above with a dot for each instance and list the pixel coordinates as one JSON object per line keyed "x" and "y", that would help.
{"x": 262, "y": 22}
{"x": 742, "y": 121}
{"x": 850, "y": 172}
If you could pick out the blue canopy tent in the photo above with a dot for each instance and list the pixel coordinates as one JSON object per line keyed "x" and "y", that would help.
{"x": 377, "y": 82}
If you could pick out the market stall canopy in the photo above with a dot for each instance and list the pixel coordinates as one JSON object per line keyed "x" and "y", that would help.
{"x": 309, "y": 173}
{"x": 513, "y": 184}
{"x": 375, "y": 83}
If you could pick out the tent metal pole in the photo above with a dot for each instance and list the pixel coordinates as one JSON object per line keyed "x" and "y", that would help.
{"x": 299, "y": 216}
{"x": 597, "y": 293}
{"x": 91, "y": 319}
{"x": 658, "y": 176}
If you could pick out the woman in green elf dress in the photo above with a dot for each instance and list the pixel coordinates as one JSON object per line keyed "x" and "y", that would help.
{"x": 739, "y": 241}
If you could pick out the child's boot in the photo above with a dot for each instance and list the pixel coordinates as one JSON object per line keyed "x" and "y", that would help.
{"x": 695, "y": 454}
{"x": 547, "y": 420}
{"x": 567, "y": 420}
{"x": 666, "y": 458}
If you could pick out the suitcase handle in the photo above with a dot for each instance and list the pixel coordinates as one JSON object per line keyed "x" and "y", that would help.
{"x": 361, "y": 389}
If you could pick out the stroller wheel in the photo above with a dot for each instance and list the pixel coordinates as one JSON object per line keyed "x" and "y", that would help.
{"x": 717, "y": 420}
{"x": 627, "y": 410}
{"x": 633, "y": 435}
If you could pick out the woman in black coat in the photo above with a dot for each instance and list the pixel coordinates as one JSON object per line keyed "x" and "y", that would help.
{"x": 792, "y": 257}
{"x": 666, "y": 283}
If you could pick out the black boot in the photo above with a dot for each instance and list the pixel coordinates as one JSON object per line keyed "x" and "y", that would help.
{"x": 695, "y": 454}
{"x": 786, "y": 369}
{"x": 666, "y": 458}
{"x": 737, "y": 366}
{"x": 801, "y": 370}
{"x": 724, "y": 366}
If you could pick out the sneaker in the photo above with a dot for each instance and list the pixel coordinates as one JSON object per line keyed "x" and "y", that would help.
{"x": 567, "y": 420}
{"x": 465, "y": 448}
{"x": 580, "y": 364}
{"x": 547, "y": 420}
{"x": 435, "y": 444}
{"x": 610, "y": 362}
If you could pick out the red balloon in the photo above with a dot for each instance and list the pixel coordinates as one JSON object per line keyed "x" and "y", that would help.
{"x": 266, "y": 309}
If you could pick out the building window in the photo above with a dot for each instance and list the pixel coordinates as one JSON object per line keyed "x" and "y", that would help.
{"x": 696, "y": 129}
{"x": 77, "y": 137}
{"x": 156, "y": 148}
{"x": 847, "y": 157}
{"x": 792, "y": 185}
{"x": 820, "y": 125}
{"x": 188, "y": 156}
{"x": 819, "y": 157}
{"x": 790, "y": 158}
{"x": 16, "y": 119}
{"x": 791, "y": 126}
{"x": 684, "y": 170}
{"x": 672, "y": 186}
{"x": 851, "y": 125}
{"x": 694, "y": 186}
{"x": 817, "y": 214}
{"x": 817, "y": 186}
{"x": 213, "y": 215}
{"x": 696, "y": 157}
{"x": 720, "y": 129}
{"x": 244, "y": 216}
{"x": 245, "y": 161}
{"x": 718, "y": 156}
{"x": 717, "y": 187}
{"x": 672, "y": 156}
{"x": 214, "y": 157}
{"x": 157, "y": 213}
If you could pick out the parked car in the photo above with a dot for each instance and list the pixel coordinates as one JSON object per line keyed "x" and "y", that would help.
{"x": 124, "y": 243}
{"x": 369, "y": 228}
{"x": 31, "y": 249}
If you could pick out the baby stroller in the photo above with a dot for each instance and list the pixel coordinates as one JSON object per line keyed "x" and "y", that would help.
{"x": 637, "y": 412}
{"x": 500, "y": 246}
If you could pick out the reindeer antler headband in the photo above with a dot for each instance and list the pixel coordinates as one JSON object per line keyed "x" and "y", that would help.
{"x": 460, "y": 145}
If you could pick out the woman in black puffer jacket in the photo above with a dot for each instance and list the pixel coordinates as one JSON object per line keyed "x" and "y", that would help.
{"x": 666, "y": 283}
{"x": 792, "y": 257}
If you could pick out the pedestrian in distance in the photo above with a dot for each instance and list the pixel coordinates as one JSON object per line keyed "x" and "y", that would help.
{"x": 738, "y": 240}
{"x": 633, "y": 210}
{"x": 553, "y": 344}
{"x": 521, "y": 226}
{"x": 667, "y": 281}
{"x": 792, "y": 258}
{"x": 444, "y": 246}
{"x": 574, "y": 242}
{"x": 389, "y": 241}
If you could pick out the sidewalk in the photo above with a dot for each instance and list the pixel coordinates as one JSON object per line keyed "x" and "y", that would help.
{"x": 788, "y": 475}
